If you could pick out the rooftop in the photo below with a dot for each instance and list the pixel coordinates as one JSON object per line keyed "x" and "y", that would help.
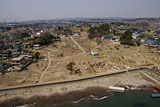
{"x": 18, "y": 58}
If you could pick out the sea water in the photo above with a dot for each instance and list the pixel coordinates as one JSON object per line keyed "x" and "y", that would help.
{"x": 128, "y": 99}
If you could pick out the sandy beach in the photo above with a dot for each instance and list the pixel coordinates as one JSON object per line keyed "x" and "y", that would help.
{"x": 71, "y": 91}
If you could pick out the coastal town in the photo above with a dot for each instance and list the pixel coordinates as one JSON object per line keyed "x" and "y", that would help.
{"x": 53, "y": 51}
{"x": 48, "y": 51}
{"x": 79, "y": 53}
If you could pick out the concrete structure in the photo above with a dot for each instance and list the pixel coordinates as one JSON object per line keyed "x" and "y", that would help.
{"x": 118, "y": 89}
{"x": 18, "y": 61}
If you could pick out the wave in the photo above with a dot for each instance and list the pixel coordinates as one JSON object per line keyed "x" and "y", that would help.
{"x": 78, "y": 100}
{"x": 100, "y": 98}
{"x": 26, "y": 105}
{"x": 54, "y": 105}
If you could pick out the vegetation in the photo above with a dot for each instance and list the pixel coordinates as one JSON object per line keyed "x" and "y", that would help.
{"x": 63, "y": 31}
{"x": 70, "y": 66}
{"x": 142, "y": 24}
{"x": 72, "y": 69}
{"x": 21, "y": 35}
{"x": 138, "y": 43}
{"x": 36, "y": 55}
{"x": 44, "y": 39}
{"x": 118, "y": 23}
{"x": 126, "y": 38}
{"x": 5, "y": 28}
{"x": 60, "y": 28}
{"x": 95, "y": 32}
{"x": 67, "y": 31}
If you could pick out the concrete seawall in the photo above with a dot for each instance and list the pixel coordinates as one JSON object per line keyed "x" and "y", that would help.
{"x": 71, "y": 81}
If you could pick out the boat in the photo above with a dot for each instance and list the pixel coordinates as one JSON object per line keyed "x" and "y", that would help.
{"x": 156, "y": 95}
{"x": 156, "y": 87}
{"x": 117, "y": 89}
{"x": 92, "y": 96}
{"x": 155, "y": 91}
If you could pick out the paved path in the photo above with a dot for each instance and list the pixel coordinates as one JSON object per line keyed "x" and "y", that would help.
{"x": 71, "y": 81}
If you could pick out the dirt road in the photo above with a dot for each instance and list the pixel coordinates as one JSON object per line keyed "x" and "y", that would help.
{"x": 78, "y": 45}
{"x": 44, "y": 71}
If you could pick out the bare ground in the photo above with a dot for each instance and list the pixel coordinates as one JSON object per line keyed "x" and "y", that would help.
{"x": 112, "y": 57}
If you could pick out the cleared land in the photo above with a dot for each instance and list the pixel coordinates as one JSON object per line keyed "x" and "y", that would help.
{"x": 128, "y": 79}
{"x": 112, "y": 57}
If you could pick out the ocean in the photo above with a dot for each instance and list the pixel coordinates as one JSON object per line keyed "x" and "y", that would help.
{"x": 128, "y": 99}
{"x": 136, "y": 98}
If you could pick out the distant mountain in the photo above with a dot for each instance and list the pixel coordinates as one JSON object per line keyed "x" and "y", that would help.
{"x": 91, "y": 19}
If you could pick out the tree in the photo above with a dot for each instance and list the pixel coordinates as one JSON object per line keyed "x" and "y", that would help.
{"x": 92, "y": 32}
{"x": 8, "y": 28}
{"x": 70, "y": 66}
{"x": 21, "y": 35}
{"x": 126, "y": 38}
{"x": 138, "y": 43}
{"x": 67, "y": 31}
{"x": 99, "y": 31}
{"x": 118, "y": 23}
{"x": 36, "y": 55}
{"x": 45, "y": 39}
{"x": 59, "y": 28}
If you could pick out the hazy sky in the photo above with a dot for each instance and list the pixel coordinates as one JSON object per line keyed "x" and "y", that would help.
{"x": 19, "y": 10}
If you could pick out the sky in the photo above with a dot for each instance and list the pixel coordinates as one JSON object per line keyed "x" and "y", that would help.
{"x": 21, "y": 10}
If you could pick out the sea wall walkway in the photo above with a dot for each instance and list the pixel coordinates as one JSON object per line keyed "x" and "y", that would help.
{"x": 71, "y": 81}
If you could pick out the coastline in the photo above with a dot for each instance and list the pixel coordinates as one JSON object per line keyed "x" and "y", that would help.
{"x": 55, "y": 99}
{"x": 72, "y": 91}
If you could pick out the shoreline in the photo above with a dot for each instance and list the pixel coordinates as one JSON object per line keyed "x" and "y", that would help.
{"x": 72, "y": 91}
{"x": 74, "y": 97}
{"x": 67, "y": 81}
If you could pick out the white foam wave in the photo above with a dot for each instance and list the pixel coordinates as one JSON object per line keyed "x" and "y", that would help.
{"x": 54, "y": 105}
{"x": 78, "y": 100}
{"x": 100, "y": 98}
{"x": 26, "y": 105}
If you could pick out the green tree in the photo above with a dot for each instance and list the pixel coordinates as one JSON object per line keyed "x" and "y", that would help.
{"x": 21, "y": 35}
{"x": 36, "y": 55}
{"x": 8, "y": 28}
{"x": 45, "y": 39}
{"x": 67, "y": 31}
{"x": 99, "y": 31}
{"x": 92, "y": 32}
{"x": 126, "y": 38}
{"x": 60, "y": 28}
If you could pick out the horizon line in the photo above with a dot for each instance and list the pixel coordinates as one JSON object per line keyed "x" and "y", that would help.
{"x": 15, "y": 20}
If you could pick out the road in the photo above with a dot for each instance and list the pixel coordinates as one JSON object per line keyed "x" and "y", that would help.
{"x": 45, "y": 70}
{"x": 88, "y": 65}
{"x": 78, "y": 45}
